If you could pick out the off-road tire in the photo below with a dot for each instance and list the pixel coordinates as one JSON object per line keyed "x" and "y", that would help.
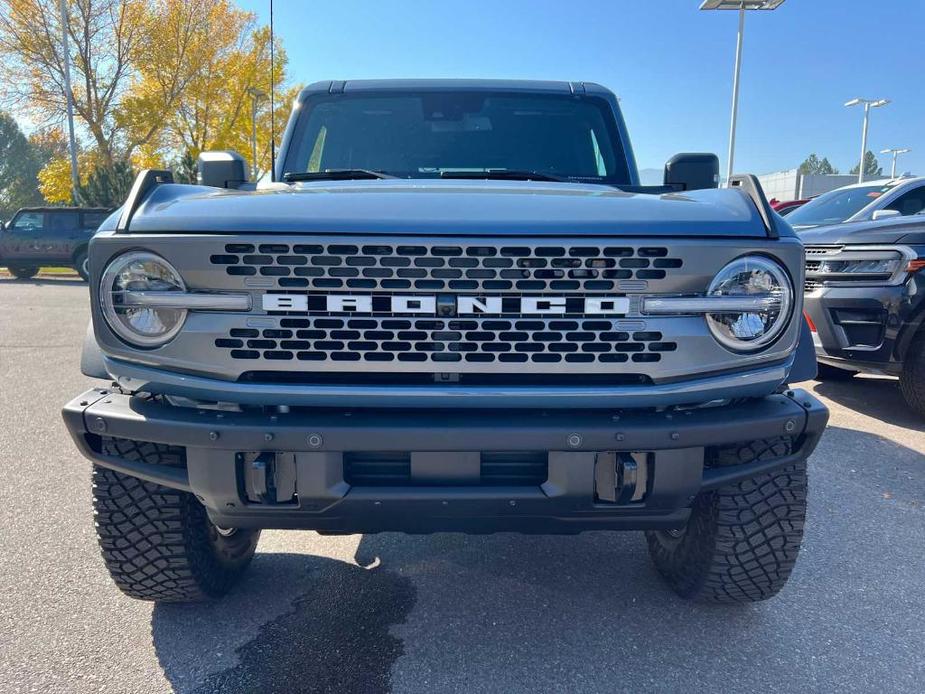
{"x": 23, "y": 272}
{"x": 742, "y": 540}
{"x": 158, "y": 543}
{"x": 827, "y": 372}
{"x": 912, "y": 378}
{"x": 80, "y": 264}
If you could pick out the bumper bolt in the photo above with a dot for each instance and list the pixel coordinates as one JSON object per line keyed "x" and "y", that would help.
{"x": 574, "y": 440}
{"x": 99, "y": 424}
{"x": 268, "y": 437}
{"x": 213, "y": 436}
{"x": 315, "y": 440}
{"x": 620, "y": 437}
{"x": 675, "y": 436}
{"x": 790, "y": 426}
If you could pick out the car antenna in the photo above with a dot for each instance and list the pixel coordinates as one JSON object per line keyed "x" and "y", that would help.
{"x": 272, "y": 101}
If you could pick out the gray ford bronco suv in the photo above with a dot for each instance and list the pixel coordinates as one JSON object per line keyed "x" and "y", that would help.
{"x": 455, "y": 309}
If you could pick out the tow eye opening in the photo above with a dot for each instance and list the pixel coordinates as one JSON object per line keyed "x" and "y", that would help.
{"x": 268, "y": 477}
{"x": 620, "y": 477}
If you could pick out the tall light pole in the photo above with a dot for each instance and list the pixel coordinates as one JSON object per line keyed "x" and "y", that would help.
{"x": 72, "y": 142}
{"x": 868, "y": 104}
{"x": 895, "y": 152}
{"x": 741, "y": 6}
{"x": 255, "y": 95}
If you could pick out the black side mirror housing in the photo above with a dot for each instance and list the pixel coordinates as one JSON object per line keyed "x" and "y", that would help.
{"x": 693, "y": 171}
{"x": 222, "y": 169}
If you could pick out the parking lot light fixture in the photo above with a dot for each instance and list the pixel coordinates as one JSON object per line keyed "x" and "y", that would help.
{"x": 895, "y": 152}
{"x": 868, "y": 104}
{"x": 255, "y": 95}
{"x": 741, "y": 6}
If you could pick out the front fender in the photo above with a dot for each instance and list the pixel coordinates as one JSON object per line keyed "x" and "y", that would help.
{"x": 91, "y": 357}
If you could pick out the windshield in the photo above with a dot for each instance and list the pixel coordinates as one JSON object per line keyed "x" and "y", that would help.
{"x": 836, "y": 206}
{"x": 429, "y": 134}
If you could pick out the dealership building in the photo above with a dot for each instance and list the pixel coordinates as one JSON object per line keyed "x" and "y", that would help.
{"x": 784, "y": 186}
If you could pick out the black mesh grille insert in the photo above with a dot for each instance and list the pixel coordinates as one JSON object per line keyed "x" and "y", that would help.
{"x": 476, "y": 340}
{"x": 393, "y": 469}
{"x": 566, "y": 269}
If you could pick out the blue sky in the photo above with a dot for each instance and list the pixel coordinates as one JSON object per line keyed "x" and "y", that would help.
{"x": 670, "y": 64}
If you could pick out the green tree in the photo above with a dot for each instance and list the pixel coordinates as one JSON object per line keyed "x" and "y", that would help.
{"x": 872, "y": 167}
{"x": 185, "y": 170}
{"x": 814, "y": 165}
{"x": 20, "y": 163}
{"x": 107, "y": 185}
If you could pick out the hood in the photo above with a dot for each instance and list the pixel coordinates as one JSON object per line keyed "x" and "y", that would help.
{"x": 444, "y": 207}
{"x": 902, "y": 230}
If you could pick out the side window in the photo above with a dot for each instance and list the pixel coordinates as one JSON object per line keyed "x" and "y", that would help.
{"x": 92, "y": 220}
{"x": 29, "y": 221}
{"x": 911, "y": 202}
{"x": 63, "y": 221}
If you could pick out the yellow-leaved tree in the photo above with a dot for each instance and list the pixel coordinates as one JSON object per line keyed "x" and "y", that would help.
{"x": 152, "y": 80}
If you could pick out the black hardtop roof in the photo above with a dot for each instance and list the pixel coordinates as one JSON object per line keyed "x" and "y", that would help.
{"x": 480, "y": 85}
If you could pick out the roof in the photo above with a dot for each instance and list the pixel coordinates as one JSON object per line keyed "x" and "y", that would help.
{"x": 886, "y": 182}
{"x": 543, "y": 86}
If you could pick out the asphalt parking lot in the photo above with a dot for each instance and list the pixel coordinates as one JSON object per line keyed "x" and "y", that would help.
{"x": 501, "y": 613}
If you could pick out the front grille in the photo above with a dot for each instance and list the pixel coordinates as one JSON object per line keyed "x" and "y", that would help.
{"x": 411, "y": 267}
{"x": 496, "y": 469}
{"x": 480, "y": 340}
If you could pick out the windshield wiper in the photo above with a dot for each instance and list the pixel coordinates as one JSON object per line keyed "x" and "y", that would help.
{"x": 502, "y": 175}
{"x": 334, "y": 175}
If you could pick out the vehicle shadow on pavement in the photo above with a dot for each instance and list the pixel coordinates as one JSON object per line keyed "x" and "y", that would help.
{"x": 40, "y": 281}
{"x": 520, "y": 613}
{"x": 295, "y": 623}
{"x": 879, "y": 398}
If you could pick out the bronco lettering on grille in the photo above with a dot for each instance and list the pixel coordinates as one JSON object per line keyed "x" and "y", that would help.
{"x": 460, "y": 305}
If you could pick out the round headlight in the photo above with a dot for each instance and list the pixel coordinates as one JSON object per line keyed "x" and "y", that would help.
{"x": 751, "y": 277}
{"x": 133, "y": 316}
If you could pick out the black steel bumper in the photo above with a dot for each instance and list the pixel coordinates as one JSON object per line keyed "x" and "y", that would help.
{"x": 223, "y": 448}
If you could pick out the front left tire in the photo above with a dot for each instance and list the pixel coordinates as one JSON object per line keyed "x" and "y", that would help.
{"x": 912, "y": 378}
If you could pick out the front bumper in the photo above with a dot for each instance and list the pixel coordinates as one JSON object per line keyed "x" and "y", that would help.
{"x": 674, "y": 446}
{"x": 859, "y": 327}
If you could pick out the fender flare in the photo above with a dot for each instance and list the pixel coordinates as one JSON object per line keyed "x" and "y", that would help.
{"x": 91, "y": 357}
{"x": 804, "y": 366}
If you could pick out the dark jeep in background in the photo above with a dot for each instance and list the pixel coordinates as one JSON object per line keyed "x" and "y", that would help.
{"x": 865, "y": 300}
{"x": 49, "y": 236}
{"x": 456, "y": 309}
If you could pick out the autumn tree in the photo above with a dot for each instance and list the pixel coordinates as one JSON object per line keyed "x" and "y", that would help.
{"x": 216, "y": 110}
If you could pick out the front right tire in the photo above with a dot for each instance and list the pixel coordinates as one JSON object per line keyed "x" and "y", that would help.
{"x": 158, "y": 543}
{"x": 82, "y": 265}
{"x": 741, "y": 541}
{"x": 23, "y": 272}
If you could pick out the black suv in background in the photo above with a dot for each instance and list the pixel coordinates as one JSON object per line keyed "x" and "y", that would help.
{"x": 865, "y": 300}
{"x": 56, "y": 236}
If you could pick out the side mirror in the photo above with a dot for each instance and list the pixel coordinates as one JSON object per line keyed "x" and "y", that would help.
{"x": 693, "y": 171}
{"x": 222, "y": 169}
{"x": 885, "y": 214}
